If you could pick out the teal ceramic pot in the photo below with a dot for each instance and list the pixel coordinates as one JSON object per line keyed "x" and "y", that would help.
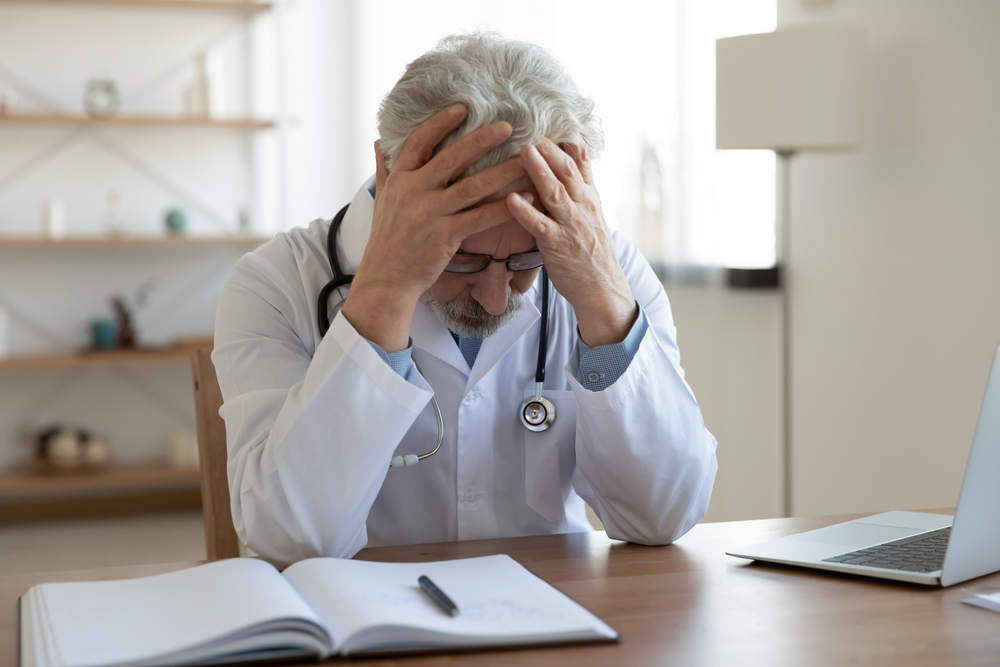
{"x": 176, "y": 221}
{"x": 105, "y": 333}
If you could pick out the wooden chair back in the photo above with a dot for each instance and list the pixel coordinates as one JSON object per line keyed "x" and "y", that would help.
{"x": 220, "y": 536}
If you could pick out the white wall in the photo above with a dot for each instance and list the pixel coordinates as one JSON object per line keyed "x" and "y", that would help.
{"x": 729, "y": 341}
{"x": 896, "y": 262}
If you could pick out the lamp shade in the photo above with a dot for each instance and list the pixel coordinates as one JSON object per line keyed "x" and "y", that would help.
{"x": 789, "y": 90}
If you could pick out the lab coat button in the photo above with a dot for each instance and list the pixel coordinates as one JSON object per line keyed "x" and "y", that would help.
{"x": 470, "y": 399}
{"x": 472, "y": 497}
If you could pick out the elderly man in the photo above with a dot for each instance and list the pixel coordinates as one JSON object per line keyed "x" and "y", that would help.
{"x": 483, "y": 176}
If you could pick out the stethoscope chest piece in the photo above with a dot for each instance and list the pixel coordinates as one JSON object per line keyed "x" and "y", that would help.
{"x": 538, "y": 413}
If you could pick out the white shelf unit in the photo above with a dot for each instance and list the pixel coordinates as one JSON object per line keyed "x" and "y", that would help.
{"x": 52, "y": 373}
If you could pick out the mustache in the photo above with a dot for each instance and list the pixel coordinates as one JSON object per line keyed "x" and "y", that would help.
{"x": 468, "y": 317}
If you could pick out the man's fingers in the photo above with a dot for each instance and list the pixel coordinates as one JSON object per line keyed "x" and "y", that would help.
{"x": 563, "y": 166}
{"x": 420, "y": 145}
{"x": 533, "y": 220}
{"x": 472, "y": 189}
{"x": 553, "y": 193}
{"x": 381, "y": 170}
{"x": 449, "y": 164}
{"x": 581, "y": 157}
{"x": 481, "y": 217}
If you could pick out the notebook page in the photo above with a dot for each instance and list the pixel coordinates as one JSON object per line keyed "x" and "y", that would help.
{"x": 497, "y": 598}
{"x": 28, "y": 623}
{"x": 122, "y": 622}
{"x": 36, "y": 639}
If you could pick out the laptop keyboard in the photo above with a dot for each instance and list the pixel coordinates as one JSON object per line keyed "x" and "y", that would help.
{"x": 919, "y": 553}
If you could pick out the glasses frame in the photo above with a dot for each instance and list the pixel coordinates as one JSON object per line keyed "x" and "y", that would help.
{"x": 490, "y": 259}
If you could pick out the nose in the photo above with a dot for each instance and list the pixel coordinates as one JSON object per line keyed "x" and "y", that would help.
{"x": 492, "y": 288}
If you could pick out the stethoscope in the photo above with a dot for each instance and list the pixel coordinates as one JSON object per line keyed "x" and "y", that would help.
{"x": 537, "y": 413}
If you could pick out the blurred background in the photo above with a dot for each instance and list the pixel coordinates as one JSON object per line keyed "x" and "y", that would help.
{"x": 145, "y": 145}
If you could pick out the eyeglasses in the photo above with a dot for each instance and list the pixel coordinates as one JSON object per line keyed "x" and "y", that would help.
{"x": 467, "y": 262}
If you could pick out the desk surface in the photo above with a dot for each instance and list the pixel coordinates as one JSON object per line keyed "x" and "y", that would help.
{"x": 689, "y": 604}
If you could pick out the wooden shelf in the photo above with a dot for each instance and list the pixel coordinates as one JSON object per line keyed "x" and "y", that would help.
{"x": 236, "y": 5}
{"x": 25, "y": 486}
{"x": 134, "y": 120}
{"x": 235, "y": 240}
{"x": 98, "y": 358}
{"x": 28, "y": 496}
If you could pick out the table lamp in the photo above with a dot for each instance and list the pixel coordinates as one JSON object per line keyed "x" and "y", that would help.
{"x": 791, "y": 90}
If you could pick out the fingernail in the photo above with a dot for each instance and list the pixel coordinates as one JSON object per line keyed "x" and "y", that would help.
{"x": 456, "y": 110}
{"x": 500, "y": 129}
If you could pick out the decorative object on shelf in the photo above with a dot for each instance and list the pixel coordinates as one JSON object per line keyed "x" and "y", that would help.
{"x": 182, "y": 449}
{"x": 54, "y": 218}
{"x": 176, "y": 221}
{"x": 61, "y": 449}
{"x": 114, "y": 223}
{"x": 198, "y": 94}
{"x": 104, "y": 333}
{"x": 126, "y": 330}
{"x": 125, "y": 314}
{"x": 101, "y": 98}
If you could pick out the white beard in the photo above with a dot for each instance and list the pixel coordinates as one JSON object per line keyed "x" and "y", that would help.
{"x": 469, "y": 318}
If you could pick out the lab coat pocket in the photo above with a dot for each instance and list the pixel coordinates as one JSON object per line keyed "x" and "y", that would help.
{"x": 550, "y": 458}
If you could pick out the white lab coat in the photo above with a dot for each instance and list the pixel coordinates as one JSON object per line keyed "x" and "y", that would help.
{"x": 312, "y": 423}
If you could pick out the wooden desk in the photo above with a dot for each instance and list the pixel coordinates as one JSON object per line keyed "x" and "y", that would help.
{"x": 689, "y": 604}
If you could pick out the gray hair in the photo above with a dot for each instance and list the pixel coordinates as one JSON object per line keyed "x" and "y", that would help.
{"x": 496, "y": 79}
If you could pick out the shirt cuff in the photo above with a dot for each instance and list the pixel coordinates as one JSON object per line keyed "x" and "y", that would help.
{"x": 601, "y": 366}
{"x": 398, "y": 361}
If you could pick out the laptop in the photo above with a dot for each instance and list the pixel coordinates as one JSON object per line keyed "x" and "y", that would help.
{"x": 921, "y": 548}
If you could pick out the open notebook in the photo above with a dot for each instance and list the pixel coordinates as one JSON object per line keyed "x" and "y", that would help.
{"x": 241, "y": 610}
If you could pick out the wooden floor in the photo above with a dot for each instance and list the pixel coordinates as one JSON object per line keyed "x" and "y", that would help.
{"x": 104, "y": 542}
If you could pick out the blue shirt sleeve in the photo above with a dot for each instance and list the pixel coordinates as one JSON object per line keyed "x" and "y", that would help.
{"x": 398, "y": 361}
{"x": 601, "y": 366}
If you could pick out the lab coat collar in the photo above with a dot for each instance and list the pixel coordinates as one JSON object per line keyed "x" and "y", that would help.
{"x": 495, "y": 347}
{"x": 357, "y": 226}
{"x": 432, "y": 336}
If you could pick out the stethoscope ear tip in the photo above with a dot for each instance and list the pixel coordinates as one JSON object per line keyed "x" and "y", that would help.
{"x": 407, "y": 461}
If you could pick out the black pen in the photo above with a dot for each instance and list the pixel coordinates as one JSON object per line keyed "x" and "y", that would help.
{"x": 436, "y": 594}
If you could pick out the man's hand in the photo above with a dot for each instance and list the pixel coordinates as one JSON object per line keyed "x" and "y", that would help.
{"x": 575, "y": 242}
{"x": 422, "y": 215}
